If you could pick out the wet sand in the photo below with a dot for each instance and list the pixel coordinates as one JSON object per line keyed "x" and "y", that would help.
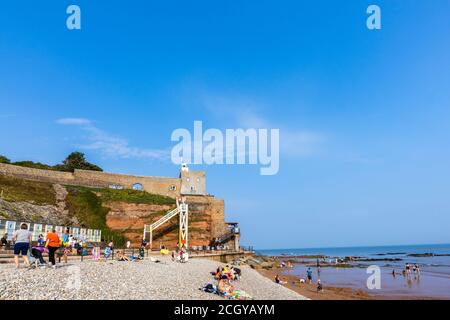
{"x": 331, "y": 292}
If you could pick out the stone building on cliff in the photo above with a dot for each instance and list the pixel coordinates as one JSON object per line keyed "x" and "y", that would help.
{"x": 206, "y": 213}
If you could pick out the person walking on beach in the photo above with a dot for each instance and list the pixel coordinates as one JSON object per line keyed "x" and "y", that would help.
{"x": 309, "y": 275}
{"x": 52, "y": 244}
{"x": 22, "y": 240}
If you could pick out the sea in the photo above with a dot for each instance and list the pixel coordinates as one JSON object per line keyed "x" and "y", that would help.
{"x": 432, "y": 282}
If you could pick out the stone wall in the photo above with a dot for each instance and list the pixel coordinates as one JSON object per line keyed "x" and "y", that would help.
{"x": 193, "y": 182}
{"x": 158, "y": 185}
{"x": 37, "y": 174}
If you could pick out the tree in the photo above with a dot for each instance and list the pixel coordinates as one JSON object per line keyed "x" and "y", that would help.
{"x": 4, "y": 159}
{"x": 76, "y": 160}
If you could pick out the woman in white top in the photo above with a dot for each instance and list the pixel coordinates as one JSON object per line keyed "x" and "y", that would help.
{"x": 22, "y": 240}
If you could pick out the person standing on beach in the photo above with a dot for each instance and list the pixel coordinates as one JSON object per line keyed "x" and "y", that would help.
{"x": 309, "y": 275}
{"x": 52, "y": 244}
{"x": 22, "y": 240}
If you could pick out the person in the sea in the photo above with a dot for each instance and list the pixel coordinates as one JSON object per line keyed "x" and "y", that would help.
{"x": 393, "y": 273}
{"x": 309, "y": 275}
{"x": 407, "y": 269}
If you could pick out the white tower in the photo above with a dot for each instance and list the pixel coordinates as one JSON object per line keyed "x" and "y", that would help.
{"x": 184, "y": 167}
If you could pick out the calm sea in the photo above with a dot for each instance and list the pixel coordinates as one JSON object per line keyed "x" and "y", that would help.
{"x": 434, "y": 279}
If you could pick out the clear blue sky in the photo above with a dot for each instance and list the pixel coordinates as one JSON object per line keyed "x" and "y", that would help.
{"x": 363, "y": 115}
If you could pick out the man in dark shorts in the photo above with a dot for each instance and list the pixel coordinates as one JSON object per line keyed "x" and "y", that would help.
{"x": 22, "y": 240}
{"x": 309, "y": 275}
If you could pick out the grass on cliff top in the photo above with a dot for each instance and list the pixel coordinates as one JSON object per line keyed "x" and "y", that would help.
{"x": 129, "y": 196}
{"x": 84, "y": 204}
{"x": 15, "y": 190}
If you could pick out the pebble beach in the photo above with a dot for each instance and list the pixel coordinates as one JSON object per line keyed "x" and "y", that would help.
{"x": 142, "y": 280}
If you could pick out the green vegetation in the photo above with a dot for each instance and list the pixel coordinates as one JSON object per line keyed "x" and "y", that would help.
{"x": 14, "y": 189}
{"x": 84, "y": 204}
{"x": 4, "y": 159}
{"x": 4, "y": 215}
{"x": 31, "y": 164}
{"x": 129, "y": 196}
{"x": 75, "y": 160}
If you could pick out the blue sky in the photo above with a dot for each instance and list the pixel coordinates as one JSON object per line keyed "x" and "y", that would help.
{"x": 363, "y": 115}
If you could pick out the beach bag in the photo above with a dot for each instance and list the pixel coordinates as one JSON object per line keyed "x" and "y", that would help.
{"x": 209, "y": 288}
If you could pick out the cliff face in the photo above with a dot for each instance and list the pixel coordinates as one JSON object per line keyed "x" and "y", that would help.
{"x": 28, "y": 212}
{"x": 118, "y": 213}
{"x": 206, "y": 221}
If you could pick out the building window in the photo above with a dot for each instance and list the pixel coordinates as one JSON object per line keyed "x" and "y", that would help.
{"x": 173, "y": 187}
{"x": 187, "y": 179}
{"x": 116, "y": 186}
{"x": 198, "y": 179}
{"x": 193, "y": 188}
{"x": 138, "y": 186}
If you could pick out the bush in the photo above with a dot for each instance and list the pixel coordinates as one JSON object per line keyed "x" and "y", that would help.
{"x": 35, "y": 165}
{"x": 75, "y": 160}
{"x": 4, "y": 159}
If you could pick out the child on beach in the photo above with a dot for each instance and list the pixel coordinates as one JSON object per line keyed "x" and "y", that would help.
{"x": 66, "y": 252}
{"x": 41, "y": 240}
{"x": 107, "y": 252}
{"x": 319, "y": 286}
{"x": 309, "y": 275}
{"x": 96, "y": 253}
{"x": 36, "y": 252}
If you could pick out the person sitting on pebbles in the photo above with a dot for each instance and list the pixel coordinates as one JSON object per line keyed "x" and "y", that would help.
{"x": 224, "y": 287}
{"x": 279, "y": 281}
{"x": 121, "y": 256}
